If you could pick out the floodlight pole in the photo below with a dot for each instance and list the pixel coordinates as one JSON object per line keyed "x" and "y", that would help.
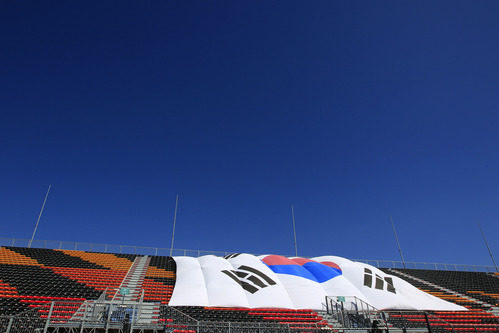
{"x": 294, "y": 229}
{"x": 487, "y": 245}
{"x": 174, "y": 222}
{"x": 398, "y": 244}
{"x": 39, "y": 216}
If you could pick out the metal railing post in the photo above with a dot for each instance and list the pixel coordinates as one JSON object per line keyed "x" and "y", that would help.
{"x": 48, "y": 317}
{"x": 427, "y": 322}
{"x": 110, "y": 305}
{"x": 383, "y": 316}
{"x": 10, "y": 324}
{"x": 83, "y": 319}
{"x": 132, "y": 320}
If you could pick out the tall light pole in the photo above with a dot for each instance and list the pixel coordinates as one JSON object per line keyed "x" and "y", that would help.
{"x": 294, "y": 229}
{"x": 487, "y": 245}
{"x": 39, "y": 216}
{"x": 174, "y": 223}
{"x": 398, "y": 244}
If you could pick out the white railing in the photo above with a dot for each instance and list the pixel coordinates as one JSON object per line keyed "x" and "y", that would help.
{"x": 106, "y": 248}
{"x": 165, "y": 251}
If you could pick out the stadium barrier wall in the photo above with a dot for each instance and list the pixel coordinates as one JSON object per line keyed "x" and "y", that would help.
{"x": 113, "y": 319}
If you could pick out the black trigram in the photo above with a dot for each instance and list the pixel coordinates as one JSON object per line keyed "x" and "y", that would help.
{"x": 380, "y": 283}
{"x": 231, "y": 255}
{"x": 249, "y": 279}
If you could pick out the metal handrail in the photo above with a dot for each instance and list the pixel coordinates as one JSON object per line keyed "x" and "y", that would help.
{"x": 164, "y": 251}
{"x": 342, "y": 307}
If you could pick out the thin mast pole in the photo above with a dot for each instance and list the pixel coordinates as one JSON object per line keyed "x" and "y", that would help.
{"x": 398, "y": 244}
{"x": 294, "y": 229}
{"x": 39, "y": 216}
{"x": 487, "y": 245}
{"x": 174, "y": 223}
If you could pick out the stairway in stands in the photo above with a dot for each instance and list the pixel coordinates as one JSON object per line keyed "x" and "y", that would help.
{"x": 133, "y": 280}
{"x": 129, "y": 295}
{"x": 334, "y": 324}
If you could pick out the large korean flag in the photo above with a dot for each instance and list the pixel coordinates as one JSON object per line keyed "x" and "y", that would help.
{"x": 272, "y": 281}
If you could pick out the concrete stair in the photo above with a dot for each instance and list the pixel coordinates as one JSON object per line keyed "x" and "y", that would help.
{"x": 131, "y": 302}
{"x": 133, "y": 280}
{"x": 148, "y": 314}
{"x": 90, "y": 311}
{"x": 333, "y": 324}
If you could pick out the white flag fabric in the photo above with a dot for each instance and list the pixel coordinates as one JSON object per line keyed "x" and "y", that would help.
{"x": 386, "y": 291}
{"x": 190, "y": 288}
{"x": 221, "y": 288}
{"x": 263, "y": 290}
{"x": 272, "y": 281}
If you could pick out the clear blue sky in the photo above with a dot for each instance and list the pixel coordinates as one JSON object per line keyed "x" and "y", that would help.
{"x": 352, "y": 111}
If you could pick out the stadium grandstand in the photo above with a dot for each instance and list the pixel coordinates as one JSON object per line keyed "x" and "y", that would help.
{"x": 72, "y": 287}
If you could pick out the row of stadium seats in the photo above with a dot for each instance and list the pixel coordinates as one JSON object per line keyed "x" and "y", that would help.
{"x": 478, "y": 316}
{"x": 403, "y": 274}
{"x": 457, "y": 321}
{"x": 11, "y": 306}
{"x": 472, "y": 316}
{"x": 98, "y": 279}
{"x": 160, "y": 279}
{"x": 155, "y": 291}
{"x": 479, "y": 285}
{"x": 40, "y": 281}
{"x": 51, "y": 258}
{"x": 110, "y": 261}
